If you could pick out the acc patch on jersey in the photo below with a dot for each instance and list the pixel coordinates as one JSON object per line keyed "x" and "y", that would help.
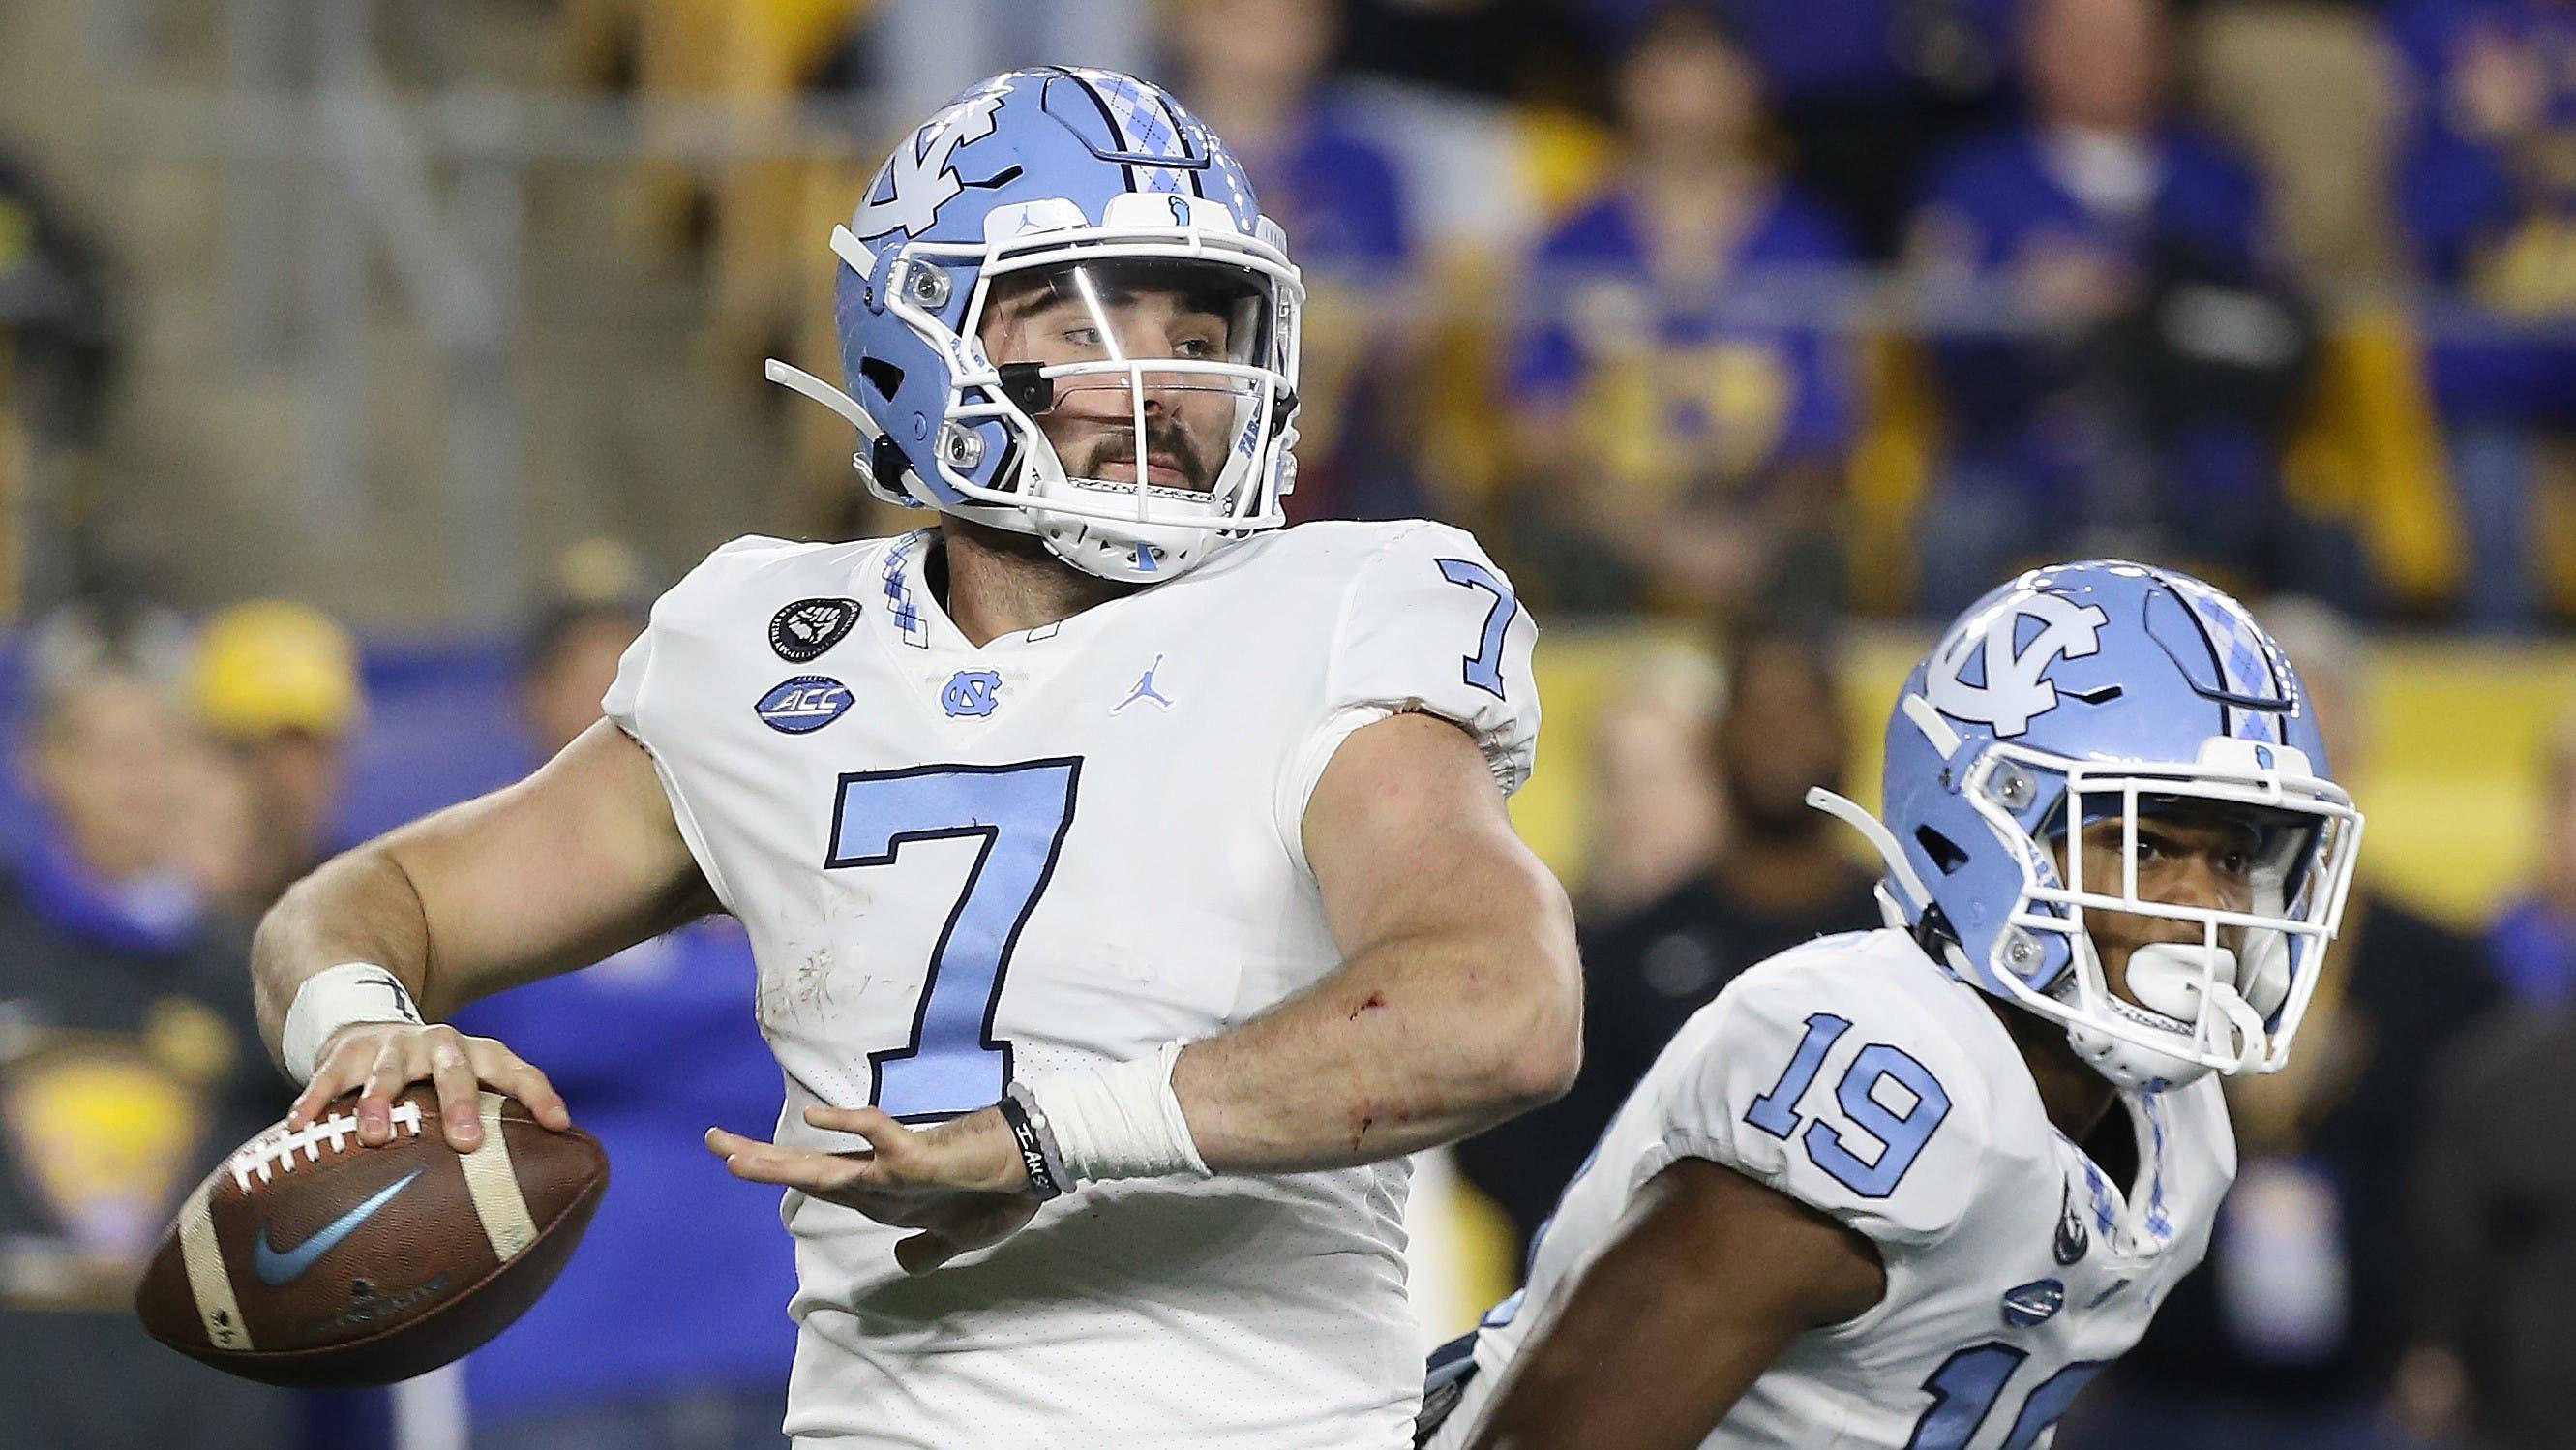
{"x": 804, "y": 704}
{"x": 807, "y": 628}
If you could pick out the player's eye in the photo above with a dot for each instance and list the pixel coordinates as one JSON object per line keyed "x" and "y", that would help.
{"x": 1082, "y": 336}
{"x": 2235, "y": 862}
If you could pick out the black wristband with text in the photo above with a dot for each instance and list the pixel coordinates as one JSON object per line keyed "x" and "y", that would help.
{"x": 1033, "y": 1155}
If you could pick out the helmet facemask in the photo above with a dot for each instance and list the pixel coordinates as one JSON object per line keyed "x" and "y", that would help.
{"x": 1143, "y": 401}
{"x": 2229, "y": 1001}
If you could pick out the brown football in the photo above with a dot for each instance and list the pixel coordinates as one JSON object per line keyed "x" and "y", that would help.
{"x": 308, "y": 1259}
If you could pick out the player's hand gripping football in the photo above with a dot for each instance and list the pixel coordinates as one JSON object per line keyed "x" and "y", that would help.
{"x": 383, "y": 1058}
{"x": 960, "y": 1182}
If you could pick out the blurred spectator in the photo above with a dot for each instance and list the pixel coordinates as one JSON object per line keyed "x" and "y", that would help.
{"x": 1507, "y": 49}
{"x": 2494, "y": 1213}
{"x": 1254, "y": 71}
{"x": 129, "y": 1059}
{"x": 1680, "y": 407}
{"x": 1866, "y": 89}
{"x": 2534, "y": 941}
{"x": 669, "y": 1330}
{"x": 54, "y": 308}
{"x": 929, "y": 50}
{"x": 2116, "y": 357}
{"x": 1653, "y": 805}
{"x": 2487, "y": 189}
{"x": 277, "y": 682}
{"x": 1781, "y": 878}
{"x": 2288, "y": 1337}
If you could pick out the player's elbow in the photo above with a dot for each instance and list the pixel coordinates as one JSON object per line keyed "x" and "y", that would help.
{"x": 1535, "y": 1037}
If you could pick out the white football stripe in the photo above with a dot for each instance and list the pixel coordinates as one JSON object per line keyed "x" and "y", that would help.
{"x": 495, "y": 1188}
{"x": 207, "y": 1283}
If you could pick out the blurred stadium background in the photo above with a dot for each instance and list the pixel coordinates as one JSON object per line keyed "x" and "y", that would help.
{"x": 439, "y": 329}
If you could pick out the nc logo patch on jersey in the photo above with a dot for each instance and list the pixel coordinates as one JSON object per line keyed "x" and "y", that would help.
{"x": 2011, "y": 689}
{"x": 2033, "y": 1303}
{"x": 971, "y": 692}
{"x": 804, "y": 704}
{"x": 810, "y": 627}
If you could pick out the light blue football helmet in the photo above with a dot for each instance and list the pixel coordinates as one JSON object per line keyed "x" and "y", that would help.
{"x": 1082, "y": 181}
{"x": 2096, "y": 691}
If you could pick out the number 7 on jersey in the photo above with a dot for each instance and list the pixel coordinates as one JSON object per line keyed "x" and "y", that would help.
{"x": 953, "y": 1063}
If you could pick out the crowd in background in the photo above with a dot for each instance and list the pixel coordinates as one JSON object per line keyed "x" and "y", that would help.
{"x": 1743, "y": 316}
{"x": 1764, "y": 309}
{"x": 1769, "y": 311}
{"x": 176, "y": 780}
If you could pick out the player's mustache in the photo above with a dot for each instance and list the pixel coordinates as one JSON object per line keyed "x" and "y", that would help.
{"x": 1162, "y": 437}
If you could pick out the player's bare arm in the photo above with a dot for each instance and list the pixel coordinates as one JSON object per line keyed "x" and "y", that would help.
{"x": 573, "y": 863}
{"x": 1708, "y": 1279}
{"x": 1459, "y": 1004}
{"x": 1460, "y": 1001}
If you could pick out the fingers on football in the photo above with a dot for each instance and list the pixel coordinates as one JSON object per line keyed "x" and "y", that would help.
{"x": 392, "y": 1070}
{"x": 514, "y": 1076}
{"x": 460, "y": 1103}
{"x": 340, "y": 1070}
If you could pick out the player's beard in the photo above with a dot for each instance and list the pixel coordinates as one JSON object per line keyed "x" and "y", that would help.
{"x": 1167, "y": 436}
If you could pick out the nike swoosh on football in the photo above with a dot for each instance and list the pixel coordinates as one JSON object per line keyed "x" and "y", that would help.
{"x": 276, "y": 1269}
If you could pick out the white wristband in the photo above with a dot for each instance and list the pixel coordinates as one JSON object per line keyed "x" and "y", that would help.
{"x": 1119, "y": 1121}
{"x": 336, "y": 997}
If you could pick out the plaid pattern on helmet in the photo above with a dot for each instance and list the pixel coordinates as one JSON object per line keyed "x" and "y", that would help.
{"x": 1148, "y": 125}
{"x": 2246, "y": 658}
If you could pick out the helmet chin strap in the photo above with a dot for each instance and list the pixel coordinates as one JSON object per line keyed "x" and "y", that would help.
{"x": 2168, "y": 980}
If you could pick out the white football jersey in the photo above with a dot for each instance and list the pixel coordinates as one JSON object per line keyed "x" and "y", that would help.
{"x": 1066, "y": 847}
{"x": 1857, "y": 1077}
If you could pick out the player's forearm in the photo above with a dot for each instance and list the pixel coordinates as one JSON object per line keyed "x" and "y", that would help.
{"x": 358, "y": 907}
{"x": 1410, "y": 1045}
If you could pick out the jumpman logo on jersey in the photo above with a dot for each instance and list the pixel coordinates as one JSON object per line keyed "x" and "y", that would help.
{"x": 1145, "y": 690}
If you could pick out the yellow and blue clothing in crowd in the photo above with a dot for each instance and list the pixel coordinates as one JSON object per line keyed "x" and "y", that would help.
{"x": 2489, "y": 202}
{"x": 1688, "y": 390}
{"x": 129, "y": 1066}
{"x": 2044, "y": 437}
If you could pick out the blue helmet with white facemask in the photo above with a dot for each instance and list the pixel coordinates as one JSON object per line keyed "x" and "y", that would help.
{"x": 1087, "y": 185}
{"x": 2102, "y": 691}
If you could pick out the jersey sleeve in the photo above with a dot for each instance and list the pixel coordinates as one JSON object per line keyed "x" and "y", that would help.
{"x": 653, "y": 696}
{"x": 1842, "y": 1100}
{"x": 640, "y": 700}
{"x": 1427, "y": 623}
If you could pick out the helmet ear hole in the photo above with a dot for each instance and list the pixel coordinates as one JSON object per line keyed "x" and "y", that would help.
{"x": 881, "y": 375}
{"x": 1945, "y": 853}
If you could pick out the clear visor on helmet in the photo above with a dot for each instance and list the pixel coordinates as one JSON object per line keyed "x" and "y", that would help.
{"x": 2228, "y": 989}
{"x": 1156, "y": 379}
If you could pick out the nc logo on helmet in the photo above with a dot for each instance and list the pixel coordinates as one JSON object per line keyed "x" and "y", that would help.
{"x": 2012, "y": 691}
{"x": 919, "y": 179}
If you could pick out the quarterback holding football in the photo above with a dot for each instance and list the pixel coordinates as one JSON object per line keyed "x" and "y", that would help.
{"x": 1129, "y": 876}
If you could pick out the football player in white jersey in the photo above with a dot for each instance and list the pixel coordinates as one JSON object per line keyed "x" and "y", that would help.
{"x": 1860, "y": 1199}
{"x": 1129, "y": 877}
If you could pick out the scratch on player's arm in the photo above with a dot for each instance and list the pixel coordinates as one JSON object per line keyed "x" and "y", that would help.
{"x": 1705, "y": 1282}
{"x": 1459, "y": 1003}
